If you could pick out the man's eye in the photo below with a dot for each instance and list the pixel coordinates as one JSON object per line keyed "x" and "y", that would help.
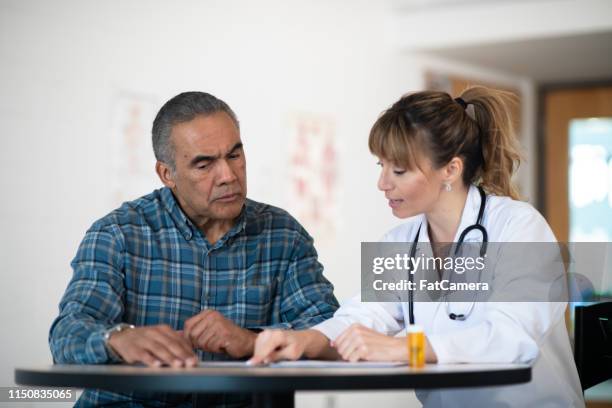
{"x": 234, "y": 156}
{"x": 203, "y": 166}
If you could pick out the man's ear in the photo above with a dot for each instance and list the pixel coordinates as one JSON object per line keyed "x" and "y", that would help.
{"x": 453, "y": 170}
{"x": 165, "y": 173}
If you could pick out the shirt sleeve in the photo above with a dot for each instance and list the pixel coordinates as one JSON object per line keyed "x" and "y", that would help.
{"x": 307, "y": 296}
{"x": 386, "y": 318}
{"x": 92, "y": 302}
{"x": 511, "y": 331}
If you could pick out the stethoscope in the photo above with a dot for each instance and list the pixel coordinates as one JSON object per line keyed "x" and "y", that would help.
{"x": 483, "y": 250}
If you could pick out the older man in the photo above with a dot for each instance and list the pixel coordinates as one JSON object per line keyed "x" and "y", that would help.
{"x": 193, "y": 265}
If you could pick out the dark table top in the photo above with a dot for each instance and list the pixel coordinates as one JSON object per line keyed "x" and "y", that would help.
{"x": 234, "y": 378}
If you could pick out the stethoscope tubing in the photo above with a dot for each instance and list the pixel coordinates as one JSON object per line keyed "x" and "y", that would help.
{"x": 483, "y": 250}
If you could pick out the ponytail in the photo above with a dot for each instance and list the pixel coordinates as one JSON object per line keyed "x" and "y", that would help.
{"x": 500, "y": 147}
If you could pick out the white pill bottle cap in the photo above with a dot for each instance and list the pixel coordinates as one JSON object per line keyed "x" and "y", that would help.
{"x": 414, "y": 328}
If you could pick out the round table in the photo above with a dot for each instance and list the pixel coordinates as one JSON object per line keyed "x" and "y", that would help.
{"x": 271, "y": 386}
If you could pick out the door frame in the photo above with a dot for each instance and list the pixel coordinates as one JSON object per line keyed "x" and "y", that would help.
{"x": 541, "y": 149}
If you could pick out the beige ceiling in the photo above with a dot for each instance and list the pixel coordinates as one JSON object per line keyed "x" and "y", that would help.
{"x": 576, "y": 58}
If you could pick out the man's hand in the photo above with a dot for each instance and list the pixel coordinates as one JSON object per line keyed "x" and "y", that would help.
{"x": 153, "y": 346}
{"x": 360, "y": 343}
{"x": 212, "y": 332}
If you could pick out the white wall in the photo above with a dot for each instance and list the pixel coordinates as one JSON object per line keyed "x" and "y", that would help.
{"x": 62, "y": 65}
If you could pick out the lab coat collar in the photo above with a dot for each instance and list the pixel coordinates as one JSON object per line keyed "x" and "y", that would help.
{"x": 468, "y": 217}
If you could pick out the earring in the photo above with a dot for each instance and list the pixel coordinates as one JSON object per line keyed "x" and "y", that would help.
{"x": 448, "y": 187}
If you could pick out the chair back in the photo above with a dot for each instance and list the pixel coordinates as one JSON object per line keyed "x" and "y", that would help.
{"x": 593, "y": 343}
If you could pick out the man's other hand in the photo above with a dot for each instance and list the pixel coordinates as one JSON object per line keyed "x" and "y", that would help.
{"x": 212, "y": 332}
{"x": 153, "y": 346}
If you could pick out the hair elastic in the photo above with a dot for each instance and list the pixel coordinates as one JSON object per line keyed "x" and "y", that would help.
{"x": 461, "y": 102}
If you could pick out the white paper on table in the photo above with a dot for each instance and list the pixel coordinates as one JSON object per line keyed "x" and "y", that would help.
{"x": 223, "y": 364}
{"x": 335, "y": 364}
{"x": 305, "y": 364}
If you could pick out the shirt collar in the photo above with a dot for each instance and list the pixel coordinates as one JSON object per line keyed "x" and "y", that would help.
{"x": 182, "y": 222}
{"x": 186, "y": 226}
{"x": 235, "y": 230}
{"x": 240, "y": 224}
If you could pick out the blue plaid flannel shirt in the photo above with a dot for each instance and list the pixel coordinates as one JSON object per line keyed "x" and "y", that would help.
{"x": 147, "y": 264}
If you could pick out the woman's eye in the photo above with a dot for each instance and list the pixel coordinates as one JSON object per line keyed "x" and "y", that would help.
{"x": 399, "y": 172}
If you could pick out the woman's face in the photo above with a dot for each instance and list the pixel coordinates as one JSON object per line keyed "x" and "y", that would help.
{"x": 410, "y": 192}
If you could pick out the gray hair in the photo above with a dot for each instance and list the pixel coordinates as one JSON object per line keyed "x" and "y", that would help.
{"x": 183, "y": 108}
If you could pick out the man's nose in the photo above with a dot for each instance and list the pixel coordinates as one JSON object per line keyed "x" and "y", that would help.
{"x": 225, "y": 173}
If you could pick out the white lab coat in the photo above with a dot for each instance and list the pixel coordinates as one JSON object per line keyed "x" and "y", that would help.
{"x": 494, "y": 332}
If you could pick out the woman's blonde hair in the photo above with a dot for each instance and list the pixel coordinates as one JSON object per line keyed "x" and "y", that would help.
{"x": 476, "y": 127}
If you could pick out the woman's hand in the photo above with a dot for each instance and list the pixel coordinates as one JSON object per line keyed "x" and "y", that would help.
{"x": 275, "y": 345}
{"x": 360, "y": 343}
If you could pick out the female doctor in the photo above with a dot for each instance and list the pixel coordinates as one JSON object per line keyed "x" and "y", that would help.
{"x": 436, "y": 154}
